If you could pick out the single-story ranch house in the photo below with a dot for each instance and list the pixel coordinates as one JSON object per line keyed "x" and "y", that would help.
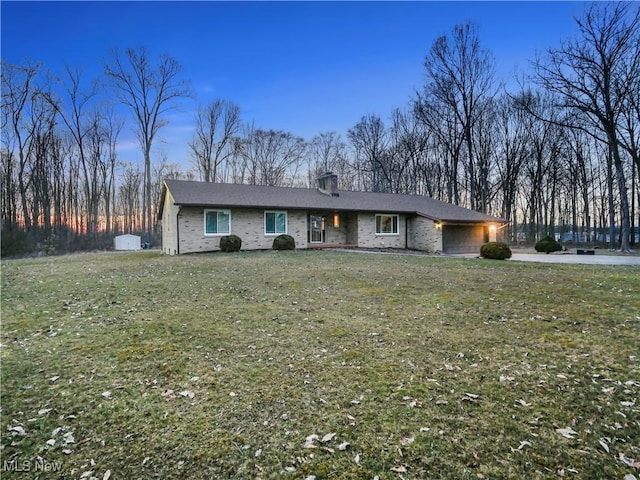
{"x": 195, "y": 215}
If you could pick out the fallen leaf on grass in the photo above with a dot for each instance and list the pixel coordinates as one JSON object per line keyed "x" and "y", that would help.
{"x": 328, "y": 437}
{"x": 68, "y": 438}
{"x": 107, "y": 395}
{"x": 523, "y": 403}
{"x": 604, "y": 445}
{"x": 54, "y": 378}
{"x": 44, "y": 411}
{"x": 399, "y": 469}
{"x": 343, "y": 446}
{"x": 187, "y": 393}
{"x": 407, "y": 440}
{"x": 17, "y": 430}
{"x": 523, "y": 444}
{"x": 308, "y": 442}
{"x": 628, "y": 461}
{"x": 567, "y": 432}
{"x": 106, "y": 475}
{"x": 168, "y": 393}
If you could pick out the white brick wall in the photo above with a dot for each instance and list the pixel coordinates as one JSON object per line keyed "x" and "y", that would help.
{"x": 169, "y": 226}
{"x": 414, "y": 232}
{"x": 248, "y": 224}
{"x": 367, "y": 237}
{"x": 423, "y": 235}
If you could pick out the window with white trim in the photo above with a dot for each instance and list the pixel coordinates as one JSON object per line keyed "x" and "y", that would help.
{"x": 275, "y": 223}
{"x": 217, "y": 222}
{"x": 386, "y": 224}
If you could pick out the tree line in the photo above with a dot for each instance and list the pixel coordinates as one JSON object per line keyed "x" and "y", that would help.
{"x": 559, "y": 153}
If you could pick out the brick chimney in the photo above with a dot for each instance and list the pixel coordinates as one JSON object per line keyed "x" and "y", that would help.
{"x": 328, "y": 184}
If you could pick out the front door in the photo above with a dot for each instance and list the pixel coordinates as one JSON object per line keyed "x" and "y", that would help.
{"x": 316, "y": 229}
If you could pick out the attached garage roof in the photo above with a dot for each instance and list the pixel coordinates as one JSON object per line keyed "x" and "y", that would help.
{"x": 203, "y": 194}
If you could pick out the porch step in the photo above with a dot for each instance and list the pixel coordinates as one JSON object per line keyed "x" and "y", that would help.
{"x": 330, "y": 245}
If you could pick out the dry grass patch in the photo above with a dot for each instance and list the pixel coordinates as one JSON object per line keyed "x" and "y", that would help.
{"x": 318, "y": 365}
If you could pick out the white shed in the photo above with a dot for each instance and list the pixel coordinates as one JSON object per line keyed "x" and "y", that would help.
{"x": 127, "y": 242}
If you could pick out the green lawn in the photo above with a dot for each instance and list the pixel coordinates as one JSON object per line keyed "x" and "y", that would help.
{"x": 318, "y": 365}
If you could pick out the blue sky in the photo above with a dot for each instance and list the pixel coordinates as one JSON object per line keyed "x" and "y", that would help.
{"x": 302, "y": 67}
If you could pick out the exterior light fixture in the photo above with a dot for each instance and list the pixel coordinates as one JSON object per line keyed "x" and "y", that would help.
{"x": 492, "y": 233}
{"x": 336, "y": 220}
{"x": 438, "y": 225}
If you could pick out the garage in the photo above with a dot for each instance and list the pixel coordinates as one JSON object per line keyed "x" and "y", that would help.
{"x": 464, "y": 238}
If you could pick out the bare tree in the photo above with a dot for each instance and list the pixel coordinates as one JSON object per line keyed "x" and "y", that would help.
{"x": 41, "y": 172}
{"x": 84, "y": 124}
{"x": 513, "y": 150}
{"x": 19, "y": 90}
{"x": 216, "y": 125}
{"x": 272, "y": 157}
{"x": 129, "y": 198}
{"x": 327, "y": 153}
{"x": 629, "y": 135}
{"x": 594, "y": 75}
{"x": 460, "y": 76}
{"x": 544, "y": 139}
{"x": 370, "y": 142}
{"x": 403, "y": 161}
{"x": 149, "y": 90}
{"x": 112, "y": 128}
{"x": 161, "y": 171}
{"x": 580, "y": 184}
{"x": 236, "y": 168}
{"x": 448, "y": 139}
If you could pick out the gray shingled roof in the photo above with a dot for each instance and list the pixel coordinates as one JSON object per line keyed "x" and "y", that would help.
{"x": 189, "y": 193}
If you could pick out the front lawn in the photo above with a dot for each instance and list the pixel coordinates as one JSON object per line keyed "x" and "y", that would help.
{"x": 320, "y": 365}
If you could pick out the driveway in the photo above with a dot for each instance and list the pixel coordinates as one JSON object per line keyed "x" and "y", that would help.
{"x": 578, "y": 259}
{"x": 558, "y": 257}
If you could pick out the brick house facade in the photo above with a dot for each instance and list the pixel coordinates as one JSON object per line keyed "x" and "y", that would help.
{"x": 195, "y": 215}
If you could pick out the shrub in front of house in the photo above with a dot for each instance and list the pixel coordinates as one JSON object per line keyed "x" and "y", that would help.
{"x": 548, "y": 244}
{"x": 230, "y": 243}
{"x": 495, "y": 251}
{"x": 284, "y": 242}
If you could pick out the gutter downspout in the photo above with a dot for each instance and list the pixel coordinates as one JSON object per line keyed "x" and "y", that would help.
{"x": 178, "y": 231}
{"x": 406, "y": 232}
